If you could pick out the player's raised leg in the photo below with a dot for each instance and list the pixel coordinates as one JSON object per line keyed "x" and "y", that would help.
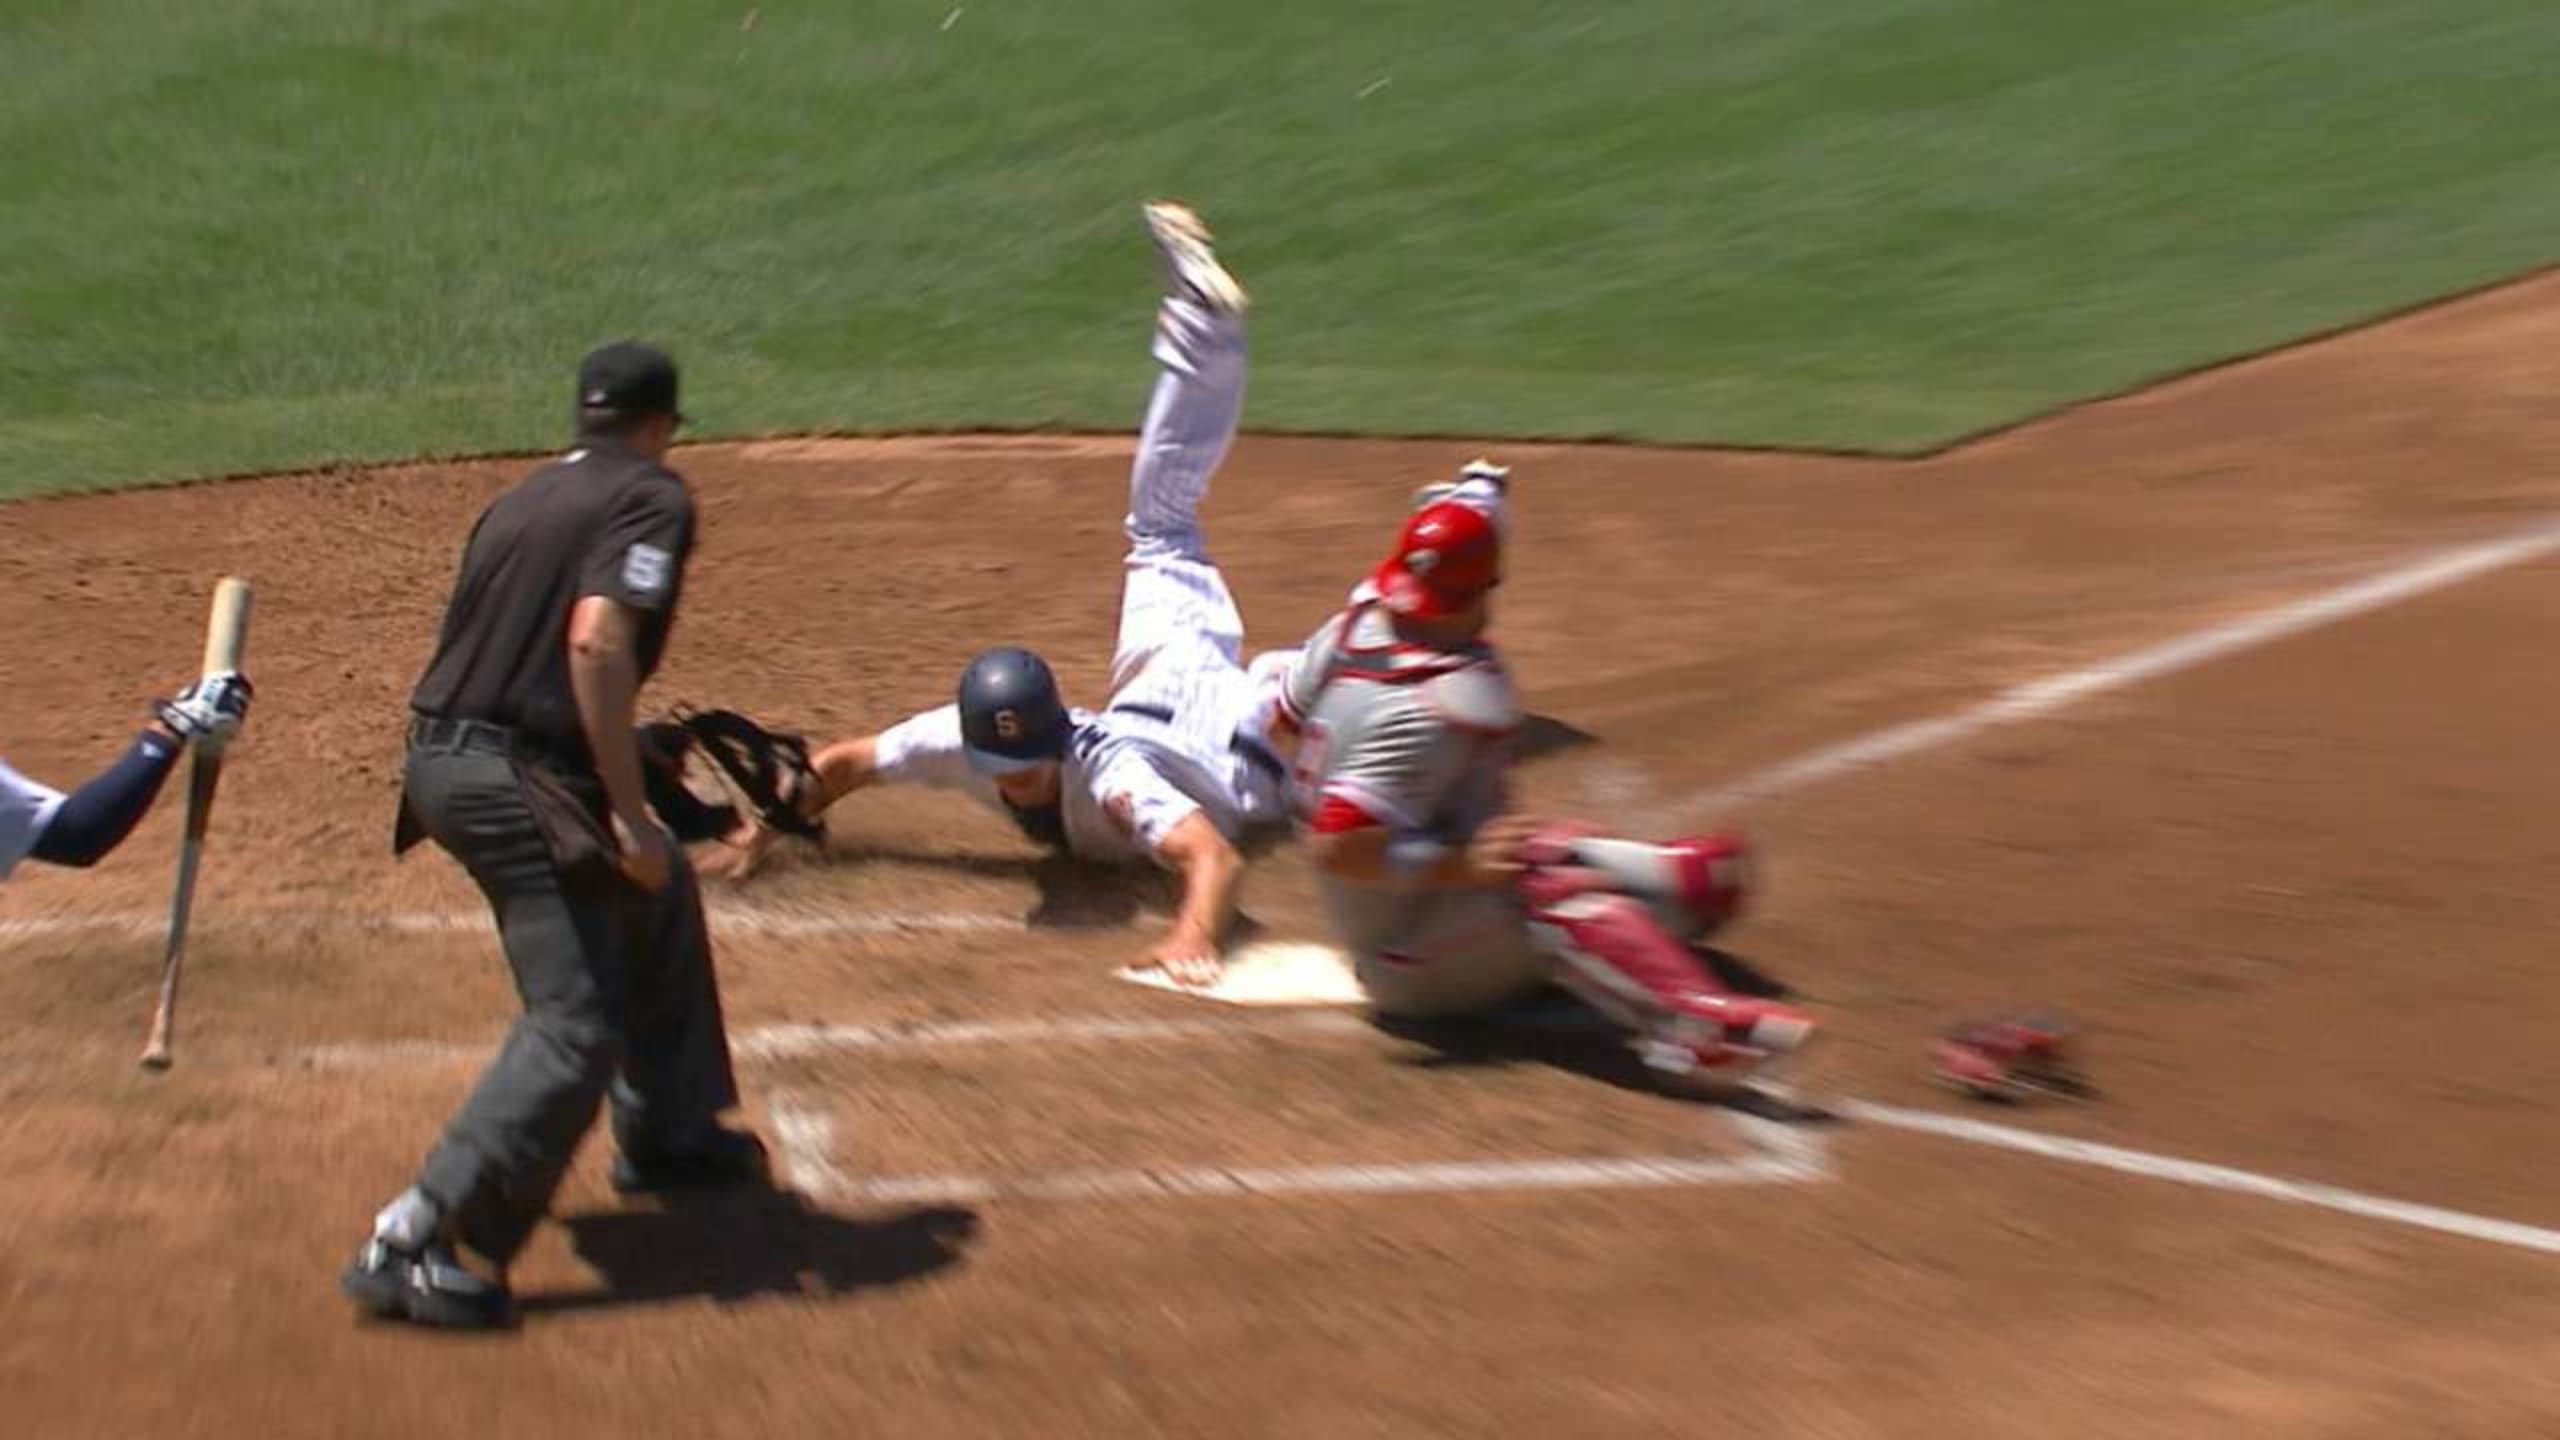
{"x": 1172, "y": 593}
{"x": 1622, "y": 919}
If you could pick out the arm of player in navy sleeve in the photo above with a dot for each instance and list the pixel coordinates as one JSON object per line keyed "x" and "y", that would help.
{"x": 26, "y": 810}
{"x": 94, "y": 819}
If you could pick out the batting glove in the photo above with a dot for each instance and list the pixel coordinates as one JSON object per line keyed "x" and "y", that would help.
{"x": 212, "y": 708}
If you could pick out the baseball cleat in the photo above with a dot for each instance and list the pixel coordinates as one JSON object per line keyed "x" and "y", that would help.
{"x": 1191, "y": 268}
{"x": 1474, "y": 478}
{"x": 425, "y": 1286}
{"x": 1722, "y": 1043}
{"x": 734, "y": 1158}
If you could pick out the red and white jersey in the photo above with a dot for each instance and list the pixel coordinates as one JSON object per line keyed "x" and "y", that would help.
{"x": 1393, "y": 734}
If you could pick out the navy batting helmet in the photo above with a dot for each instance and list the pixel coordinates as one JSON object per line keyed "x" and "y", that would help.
{"x": 1010, "y": 714}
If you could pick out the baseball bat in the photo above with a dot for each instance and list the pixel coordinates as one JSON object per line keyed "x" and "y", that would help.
{"x": 226, "y": 636}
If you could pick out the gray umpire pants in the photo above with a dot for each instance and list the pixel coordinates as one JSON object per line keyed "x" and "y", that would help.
{"x": 619, "y": 998}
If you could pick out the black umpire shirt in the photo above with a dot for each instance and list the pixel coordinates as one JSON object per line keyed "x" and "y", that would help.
{"x": 600, "y": 520}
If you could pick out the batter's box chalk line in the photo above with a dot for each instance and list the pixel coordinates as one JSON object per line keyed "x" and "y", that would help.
{"x": 1773, "y": 1154}
{"x": 1778, "y": 1151}
{"x": 801, "y": 1040}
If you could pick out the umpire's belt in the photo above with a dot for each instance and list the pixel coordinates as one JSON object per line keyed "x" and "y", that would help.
{"x": 437, "y": 732}
{"x": 1256, "y": 754}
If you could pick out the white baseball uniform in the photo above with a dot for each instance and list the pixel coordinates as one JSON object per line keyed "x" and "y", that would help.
{"x": 26, "y": 807}
{"x": 1179, "y": 735}
{"x": 1117, "y": 800}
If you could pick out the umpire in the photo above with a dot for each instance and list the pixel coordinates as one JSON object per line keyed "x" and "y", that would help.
{"x": 523, "y": 765}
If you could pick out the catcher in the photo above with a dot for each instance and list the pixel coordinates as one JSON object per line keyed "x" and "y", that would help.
{"x": 1449, "y": 902}
{"x": 1174, "y": 769}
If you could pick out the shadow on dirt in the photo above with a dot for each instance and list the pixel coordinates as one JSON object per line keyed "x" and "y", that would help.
{"x": 1069, "y": 893}
{"x": 1540, "y": 736}
{"x": 744, "y": 1244}
{"x": 1551, "y": 1027}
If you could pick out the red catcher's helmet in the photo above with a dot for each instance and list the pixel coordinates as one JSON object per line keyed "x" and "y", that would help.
{"x": 1448, "y": 554}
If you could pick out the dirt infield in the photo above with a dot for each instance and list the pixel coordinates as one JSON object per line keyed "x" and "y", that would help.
{"x": 2300, "y": 894}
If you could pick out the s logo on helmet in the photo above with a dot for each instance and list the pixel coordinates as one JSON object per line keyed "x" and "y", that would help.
{"x": 1422, "y": 562}
{"x": 1009, "y": 724}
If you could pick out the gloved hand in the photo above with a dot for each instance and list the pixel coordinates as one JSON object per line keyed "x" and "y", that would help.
{"x": 211, "y": 710}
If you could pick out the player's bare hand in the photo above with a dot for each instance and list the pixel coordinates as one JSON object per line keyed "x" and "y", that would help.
{"x": 647, "y": 856}
{"x": 1187, "y": 960}
{"x": 740, "y": 854}
{"x": 1494, "y": 854}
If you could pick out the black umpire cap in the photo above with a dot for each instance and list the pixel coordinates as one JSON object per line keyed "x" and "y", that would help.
{"x": 1010, "y": 715}
{"x": 627, "y": 380}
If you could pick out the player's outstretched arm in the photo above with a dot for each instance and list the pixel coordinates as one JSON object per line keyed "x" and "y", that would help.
{"x": 841, "y": 768}
{"x": 87, "y": 824}
{"x": 1211, "y": 872}
{"x": 97, "y": 817}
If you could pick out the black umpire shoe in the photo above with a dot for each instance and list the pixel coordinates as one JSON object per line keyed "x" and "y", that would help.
{"x": 731, "y": 1157}
{"x": 426, "y": 1286}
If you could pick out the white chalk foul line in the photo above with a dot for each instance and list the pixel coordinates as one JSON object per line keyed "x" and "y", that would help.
{"x": 2057, "y": 692}
{"x": 2209, "y": 1177}
{"x": 1777, "y": 1155}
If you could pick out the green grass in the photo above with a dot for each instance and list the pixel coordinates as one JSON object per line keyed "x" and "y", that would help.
{"x": 261, "y": 233}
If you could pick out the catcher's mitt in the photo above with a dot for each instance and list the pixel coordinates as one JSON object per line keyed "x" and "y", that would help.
{"x": 766, "y": 772}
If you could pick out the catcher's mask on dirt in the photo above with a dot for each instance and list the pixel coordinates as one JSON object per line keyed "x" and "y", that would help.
{"x": 1447, "y": 556}
{"x": 1010, "y": 715}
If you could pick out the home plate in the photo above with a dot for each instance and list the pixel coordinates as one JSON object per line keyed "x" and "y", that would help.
{"x": 1269, "y": 972}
